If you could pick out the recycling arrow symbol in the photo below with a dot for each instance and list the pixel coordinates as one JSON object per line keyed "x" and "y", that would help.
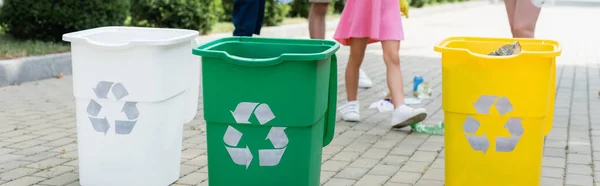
{"x": 513, "y": 125}
{"x": 277, "y": 136}
{"x": 101, "y": 123}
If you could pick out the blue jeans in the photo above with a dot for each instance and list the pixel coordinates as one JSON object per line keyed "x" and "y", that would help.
{"x": 248, "y": 17}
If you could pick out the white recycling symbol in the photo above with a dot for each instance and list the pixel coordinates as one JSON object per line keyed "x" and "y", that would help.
{"x": 277, "y": 136}
{"x": 513, "y": 125}
{"x": 101, "y": 123}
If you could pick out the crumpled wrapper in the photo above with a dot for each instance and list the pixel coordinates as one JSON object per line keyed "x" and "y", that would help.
{"x": 507, "y": 50}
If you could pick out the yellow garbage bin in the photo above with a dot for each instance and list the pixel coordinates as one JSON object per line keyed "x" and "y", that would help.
{"x": 497, "y": 110}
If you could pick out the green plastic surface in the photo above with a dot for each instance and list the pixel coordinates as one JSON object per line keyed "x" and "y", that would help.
{"x": 296, "y": 78}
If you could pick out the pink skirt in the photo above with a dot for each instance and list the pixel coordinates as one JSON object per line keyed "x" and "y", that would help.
{"x": 378, "y": 20}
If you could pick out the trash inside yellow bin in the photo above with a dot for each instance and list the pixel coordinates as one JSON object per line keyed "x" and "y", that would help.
{"x": 497, "y": 110}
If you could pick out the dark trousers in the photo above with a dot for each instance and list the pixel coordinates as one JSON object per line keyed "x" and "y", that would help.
{"x": 248, "y": 17}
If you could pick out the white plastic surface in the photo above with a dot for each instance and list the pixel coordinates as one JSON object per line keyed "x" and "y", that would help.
{"x": 149, "y": 156}
{"x": 147, "y": 78}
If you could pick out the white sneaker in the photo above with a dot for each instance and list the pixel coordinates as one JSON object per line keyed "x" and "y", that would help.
{"x": 363, "y": 80}
{"x": 350, "y": 111}
{"x": 404, "y": 116}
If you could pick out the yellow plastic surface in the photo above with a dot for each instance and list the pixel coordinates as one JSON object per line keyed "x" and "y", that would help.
{"x": 527, "y": 80}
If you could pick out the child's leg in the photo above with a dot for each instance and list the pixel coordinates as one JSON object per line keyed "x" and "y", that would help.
{"x": 510, "y": 12}
{"x": 357, "y": 53}
{"x": 350, "y": 111}
{"x": 391, "y": 58}
{"x": 526, "y": 16}
{"x": 403, "y": 115}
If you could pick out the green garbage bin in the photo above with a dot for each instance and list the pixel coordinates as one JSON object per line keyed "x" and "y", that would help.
{"x": 270, "y": 107}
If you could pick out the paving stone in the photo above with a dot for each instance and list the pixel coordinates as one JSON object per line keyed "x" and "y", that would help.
{"x": 199, "y": 161}
{"x": 424, "y": 182}
{"x": 54, "y": 136}
{"x": 406, "y": 177}
{"x": 424, "y": 156}
{"x": 432, "y": 146}
{"x": 9, "y": 157}
{"x": 332, "y": 149}
{"x": 576, "y": 179}
{"x": 364, "y": 163}
{"x": 346, "y": 156}
{"x": 62, "y": 179}
{"x": 333, "y": 165}
{"x": 40, "y": 156}
{"x": 48, "y": 163}
{"x": 375, "y": 153}
{"x": 28, "y": 180}
{"x": 193, "y": 178}
{"x": 192, "y": 153}
{"x": 340, "y": 182}
{"x": 579, "y": 169}
{"x": 76, "y": 183}
{"x": 352, "y": 173}
{"x": 394, "y": 160}
{"x": 20, "y": 138}
{"x": 55, "y": 171}
{"x": 384, "y": 170}
{"x": 553, "y": 172}
{"x": 434, "y": 174}
{"x": 32, "y": 150}
{"x": 554, "y": 162}
{"x": 405, "y": 150}
{"x": 326, "y": 176}
{"x": 396, "y": 184}
{"x": 555, "y": 152}
{"x": 579, "y": 159}
{"x": 370, "y": 180}
{"x": 414, "y": 166}
{"x": 545, "y": 181}
{"x": 27, "y": 144}
{"x": 187, "y": 169}
{"x": 17, "y": 173}
{"x": 385, "y": 144}
{"x": 438, "y": 164}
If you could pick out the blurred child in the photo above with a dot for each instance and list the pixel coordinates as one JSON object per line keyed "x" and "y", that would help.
{"x": 368, "y": 21}
{"x": 522, "y": 17}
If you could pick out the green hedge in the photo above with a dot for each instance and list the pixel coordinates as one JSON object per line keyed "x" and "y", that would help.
{"x": 49, "y": 20}
{"x": 418, "y": 3}
{"x": 227, "y": 9}
{"x": 338, "y": 7}
{"x": 275, "y": 12}
{"x": 186, "y": 14}
{"x": 299, "y": 8}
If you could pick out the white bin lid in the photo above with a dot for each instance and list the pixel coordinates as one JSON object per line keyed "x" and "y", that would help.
{"x": 125, "y": 37}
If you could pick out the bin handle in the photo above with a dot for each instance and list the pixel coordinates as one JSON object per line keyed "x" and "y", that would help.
{"x": 477, "y": 55}
{"x": 252, "y": 61}
{"x": 261, "y": 62}
{"x": 330, "y": 117}
{"x": 441, "y": 47}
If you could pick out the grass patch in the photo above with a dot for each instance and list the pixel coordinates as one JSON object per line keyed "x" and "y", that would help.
{"x": 12, "y": 48}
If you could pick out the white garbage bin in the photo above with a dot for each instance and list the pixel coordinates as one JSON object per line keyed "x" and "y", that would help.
{"x": 132, "y": 87}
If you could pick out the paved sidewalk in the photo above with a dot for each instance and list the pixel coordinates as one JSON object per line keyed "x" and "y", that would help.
{"x": 38, "y": 131}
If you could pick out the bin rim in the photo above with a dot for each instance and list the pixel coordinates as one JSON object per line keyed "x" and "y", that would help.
{"x": 442, "y": 46}
{"x": 82, "y": 37}
{"x": 205, "y": 50}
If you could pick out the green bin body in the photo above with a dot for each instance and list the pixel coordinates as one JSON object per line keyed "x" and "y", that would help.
{"x": 270, "y": 107}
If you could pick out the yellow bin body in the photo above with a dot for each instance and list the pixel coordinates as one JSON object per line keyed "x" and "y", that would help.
{"x": 497, "y": 110}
